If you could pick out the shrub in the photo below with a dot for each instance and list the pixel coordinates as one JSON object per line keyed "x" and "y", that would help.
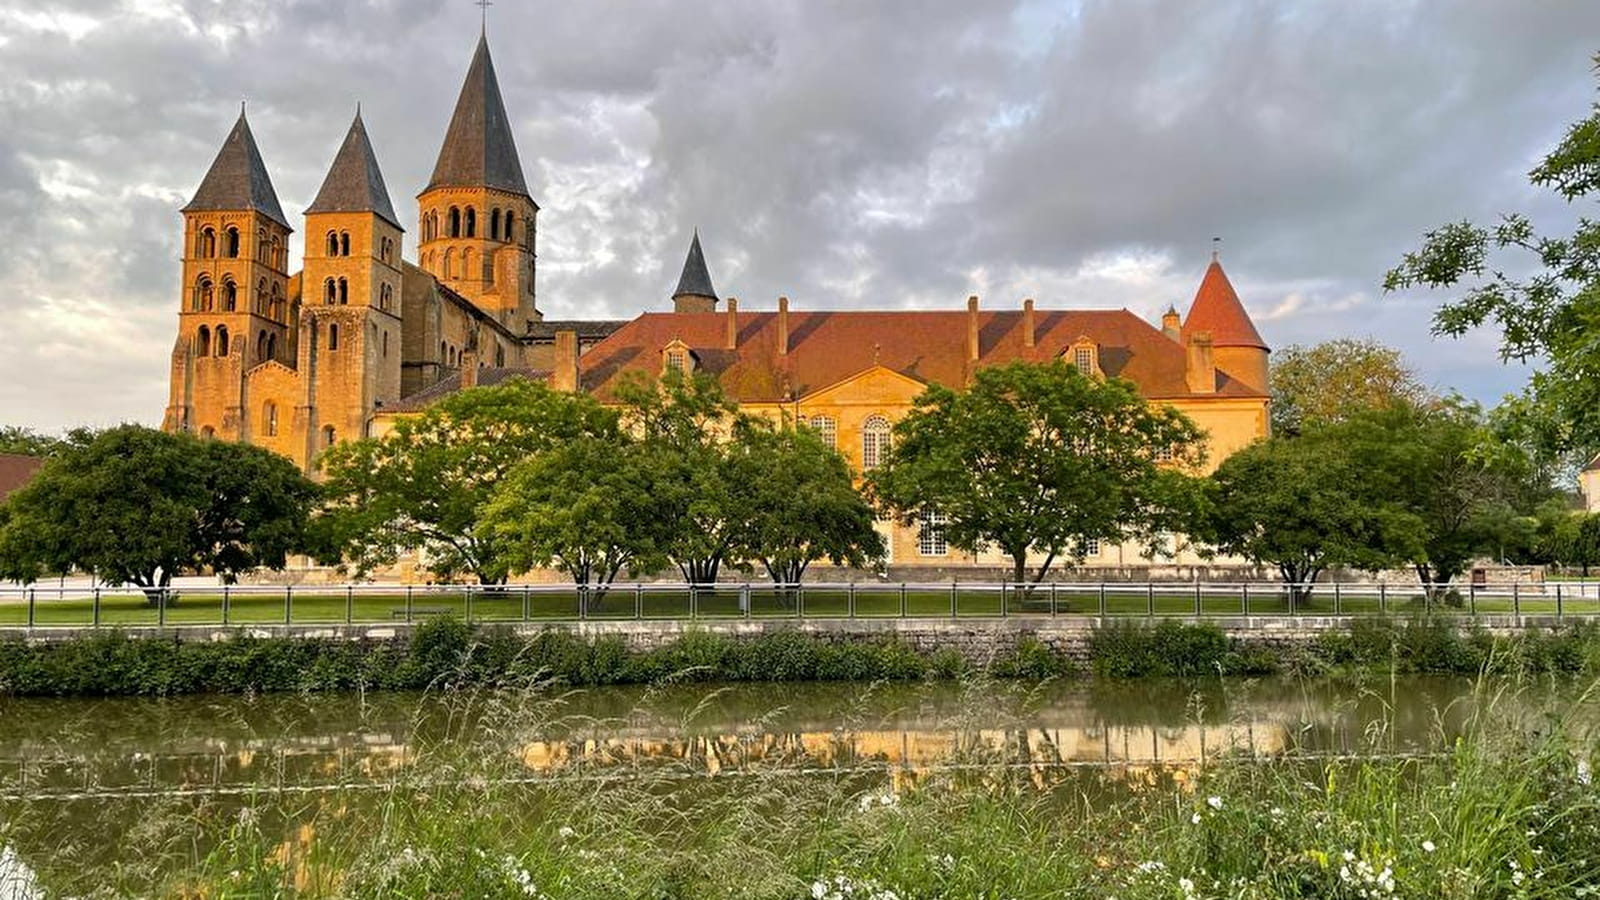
{"x": 1172, "y": 648}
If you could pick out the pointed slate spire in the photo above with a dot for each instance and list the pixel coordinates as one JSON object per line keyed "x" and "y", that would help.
{"x": 478, "y": 148}
{"x": 1216, "y": 309}
{"x": 238, "y": 178}
{"x": 355, "y": 183}
{"x": 695, "y": 280}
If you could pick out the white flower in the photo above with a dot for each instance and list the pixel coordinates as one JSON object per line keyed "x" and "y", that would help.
{"x": 819, "y": 889}
{"x": 1585, "y": 777}
{"x": 1428, "y": 847}
{"x": 1214, "y": 802}
{"x": 1187, "y": 885}
{"x": 1195, "y": 818}
{"x": 1348, "y": 856}
{"x": 565, "y": 832}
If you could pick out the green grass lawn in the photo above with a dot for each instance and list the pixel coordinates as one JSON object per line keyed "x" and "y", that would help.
{"x": 310, "y": 606}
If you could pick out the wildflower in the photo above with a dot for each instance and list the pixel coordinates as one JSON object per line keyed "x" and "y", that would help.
{"x": 1214, "y": 802}
{"x": 1348, "y": 856}
{"x": 1195, "y": 818}
{"x": 1428, "y": 847}
{"x": 1585, "y": 777}
{"x": 565, "y": 832}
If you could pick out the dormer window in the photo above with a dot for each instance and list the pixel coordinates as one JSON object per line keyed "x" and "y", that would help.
{"x": 1084, "y": 355}
{"x": 677, "y": 357}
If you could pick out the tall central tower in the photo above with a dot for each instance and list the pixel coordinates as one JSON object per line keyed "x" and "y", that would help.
{"x": 478, "y": 222}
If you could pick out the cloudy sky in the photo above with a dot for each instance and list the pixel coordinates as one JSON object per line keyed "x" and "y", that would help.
{"x": 848, "y": 154}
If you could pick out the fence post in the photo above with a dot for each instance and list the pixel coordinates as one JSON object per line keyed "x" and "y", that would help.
{"x": 31, "y": 601}
{"x": 408, "y": 603}
{"x": 1150, "y": 599}
{"x": 638, "y": 600}
{"x": 350, "y": 604}
{"x": 694, "y": 601}
{"x": 525, "y": 598}
{"x": 288, "y": 604}
{"x": 1197, "y": 598}
{"x": 1244, "y": 597}
{"x": 1003, "y": 603}
{"x": 161, "y": 609}
{"x": 1516, "y": 601}
{"x": 1337, "y": 599}
{"x": 1102, "y": 599}
{"x": 953, "y": 610}
{"x": 1558, "y": 600}
{"x": 1472, "y": 604}
{"x": 224, "y": 606}
{"x": 850, "y": 601}
{"x": 902, "y": 599}
{"x": 1052, "y": 599}
{"x": 744, "y": 596}
{"x": 800, "y": 600}
{"x": 1383, "y": 598}
{"x": 583, "y": 602}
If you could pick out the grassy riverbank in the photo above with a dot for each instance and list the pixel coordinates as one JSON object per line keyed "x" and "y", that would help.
{"x": 1507, "y": 810}
{"x": 445, "y": 652}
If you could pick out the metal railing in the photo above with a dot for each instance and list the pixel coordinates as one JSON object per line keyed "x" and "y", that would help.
{"x": 52, "y": 606}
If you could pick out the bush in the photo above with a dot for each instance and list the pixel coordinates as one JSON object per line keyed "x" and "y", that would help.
{"x": 1171, "y": 648}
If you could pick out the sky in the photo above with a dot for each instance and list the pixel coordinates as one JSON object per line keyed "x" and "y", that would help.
{"x": 846, "y": 154}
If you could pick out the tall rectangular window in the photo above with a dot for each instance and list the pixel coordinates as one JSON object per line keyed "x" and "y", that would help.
{"x": 874, "y": 442}
{"x": 826, "y": 428}
{"x": 1083, "y": 358}
{"x": 930, "y": 534}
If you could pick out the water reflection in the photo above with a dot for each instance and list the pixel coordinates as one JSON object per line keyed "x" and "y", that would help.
{"x": 236, "y": 744}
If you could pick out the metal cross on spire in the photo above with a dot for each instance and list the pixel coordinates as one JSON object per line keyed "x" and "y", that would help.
{"x": 484, "y": 6}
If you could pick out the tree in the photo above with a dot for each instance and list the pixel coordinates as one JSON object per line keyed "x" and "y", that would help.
{"x": 138, "y": 506}
{"x": 1330, "y": 381}
{"x": 422, "y": 486}
{"x": 1038, "y": 460}
{"x": 796, "y": 502}
{"x": 1302, "y": 505}
{"x": 25, "y": 442}
{"x": 683, "y": 423}
{"x": 586, "y": 507}
{"x": 1550, "y": 315}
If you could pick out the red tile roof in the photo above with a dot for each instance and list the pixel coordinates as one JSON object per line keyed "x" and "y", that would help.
{"x": 828, "y": 347}
{"x": 1217, "y": 309}
{"x": 16, "y": 471}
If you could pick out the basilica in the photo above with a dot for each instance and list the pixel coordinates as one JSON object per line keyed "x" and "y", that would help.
{"x": 298, "y": 361}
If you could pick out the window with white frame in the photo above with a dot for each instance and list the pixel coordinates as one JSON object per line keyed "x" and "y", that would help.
{"x": 675, "y": 361}
{"x": 827, "y": 428}
{"x": 1165, "y": 454}
{"x": 874, "y": 442}
{"x": 1091, "y": 547}
{"x": 1083, "y": 359}
{"x": 930, "y": 534}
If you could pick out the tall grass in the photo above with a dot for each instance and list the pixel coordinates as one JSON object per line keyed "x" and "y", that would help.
{"x": 1505, "y": 809}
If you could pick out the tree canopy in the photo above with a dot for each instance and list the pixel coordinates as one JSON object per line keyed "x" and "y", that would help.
{"x": 138, "y": 506}
{"x": 1333, "y": 380}
{"x": 1038, "y": 460}
{"x": 422, "y": 486}
{"x": 1551, "y": 314}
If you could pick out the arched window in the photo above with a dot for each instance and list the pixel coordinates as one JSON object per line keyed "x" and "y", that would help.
{"x": 455, "y": 222}
{"x": 277, "y": 254}
{"x": 454, "y": 360}
{"x": 272, "y": 347}
{"x": 231, "y": 243}
{"x": 328, "y": 435}
{"x": 261, "y": 297}
{"x": 344, "y": 243}
{"x": 344, "y": 292}
{"x": 261, "y": 345}
{"x": 508, "y": 232}
{"x": 499, "y": 357}
{"x": 269, "y": 419}
{"x": 386, "y": 345}
{"x": 202, "y": 342}
{"x": 208, "y": 432}
{"x": 449, "y": 263}
{"x": 230, "y": 295}
{"x": 275, "y": 309}
{"x": 494, "y": 225}
{"x": 222, "y": 341}
{"x": 262, "y": 246}
{"x": 206, "y": 246}
{"x": 472, "y": 221}
{"x": 330, "y": 291}
{"x": 466, "y": 263}
{"x": 202, "y": 295}
{"x": 333, "y": 337}
{"x": 874, "y": 441}
{"x": 488, "y": 269}
{"x": 385, "y": 297}
{"x": 827, "y": 428}
{"x": 333, "y": 244}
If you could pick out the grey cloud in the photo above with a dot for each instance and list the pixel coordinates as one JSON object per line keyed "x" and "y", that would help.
{"x": 846, "y": 154}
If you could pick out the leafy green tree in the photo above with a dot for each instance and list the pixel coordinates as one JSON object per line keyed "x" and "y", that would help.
{"x": 1038, "y": 460}
{"x": 1330, "y": 381}
{"x": 1549, "y": 315}
{"x": 422, "y": 486}
{"x": 1302, "y": 505}
{"x": 683, "y": 424}
{"x": 1573, "y": 539}
{"x": 796, "y": 502}
{"x": 138, "y": 506}
{"x": 26, "y": 442}
{"x": 585, "y": 507}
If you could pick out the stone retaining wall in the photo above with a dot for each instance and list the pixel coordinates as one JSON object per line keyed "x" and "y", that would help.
{"x": 976, "y": 639}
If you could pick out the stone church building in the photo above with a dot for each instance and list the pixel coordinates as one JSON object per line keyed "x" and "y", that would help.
{"x": 297, "y": 362}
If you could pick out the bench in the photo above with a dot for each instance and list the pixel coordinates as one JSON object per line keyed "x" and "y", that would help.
{"x": 400, "y": 613}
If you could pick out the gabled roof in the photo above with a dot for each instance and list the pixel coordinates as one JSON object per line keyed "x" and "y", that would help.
{"x": 826, "y": 348}
{"x": 479, "y": 150}
{"x": 354, "y": 182}
{"x": 696, "y": 279}
{"x": 238, "y": 179}
{"x": 1217, "y": 309}
{"x": 16, "y": 471}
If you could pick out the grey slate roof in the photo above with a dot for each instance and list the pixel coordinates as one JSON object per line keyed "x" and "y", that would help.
{"x": 238, "y": 178}
{"x": 587, "y": 329}
{"x": 354, "y": 182}
{"x": 695, "y": 280}
{"x": 478, "y": 148}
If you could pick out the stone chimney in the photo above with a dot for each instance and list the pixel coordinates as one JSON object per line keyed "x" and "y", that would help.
{"x": 1027, "y": 322}
{"x": 469, "y": 369}
{"x": 783, "y": 326}
{"x": 732, "y": 342}
{"x": 1172, "y": 324}
{"x": 1201, "y": 371}
{"x": 972, "y": 327}
{"x": 565, "y": 375}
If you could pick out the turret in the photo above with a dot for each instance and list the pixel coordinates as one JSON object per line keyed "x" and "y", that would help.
{"x": 694, "y": 292}
{"x": 478, "y": 222}
{"x": 1237, "y": 348}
